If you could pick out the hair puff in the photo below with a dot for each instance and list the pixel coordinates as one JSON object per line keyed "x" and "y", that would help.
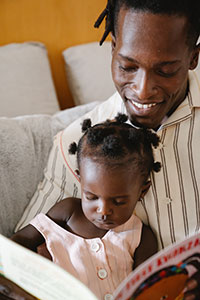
{"x": 121, "y": 118}
{"x": 86, "y": 125}
{"x": 153, "y": 138}
{"x": 156, "y": 166}
{"x": 73, "y": 148}
{"x": 111, "y": 146}
{"x": 96, "y": 135}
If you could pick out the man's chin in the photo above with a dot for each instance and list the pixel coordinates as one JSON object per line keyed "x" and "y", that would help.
{"x": 149, "y": 117}
{"x": 144, "y": 123}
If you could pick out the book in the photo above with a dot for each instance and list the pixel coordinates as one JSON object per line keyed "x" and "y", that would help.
{"x": 162, "y": 276}
{"x": 38, "y": 275}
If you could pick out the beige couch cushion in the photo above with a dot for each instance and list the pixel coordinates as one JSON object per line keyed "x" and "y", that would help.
{"x": 26, "y": 85}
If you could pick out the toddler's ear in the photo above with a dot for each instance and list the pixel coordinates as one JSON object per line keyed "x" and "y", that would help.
{"x": 77, "y": 172}
{"x": 145, "y": 188}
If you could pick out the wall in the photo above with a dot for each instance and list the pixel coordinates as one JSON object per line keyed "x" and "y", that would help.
{"x": 58, "y": 24}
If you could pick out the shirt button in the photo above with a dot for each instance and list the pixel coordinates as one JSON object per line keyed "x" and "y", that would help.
{"x": 168, "y": 200}
{"x": 108, "y": 297}
{"x": 95, "y": 247}
{"x": 102, "y": 273}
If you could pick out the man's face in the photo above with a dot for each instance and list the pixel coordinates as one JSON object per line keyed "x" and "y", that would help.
{"x": 150, "y": 64}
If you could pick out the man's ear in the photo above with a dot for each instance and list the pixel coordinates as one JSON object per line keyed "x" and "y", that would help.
{"x": 77, "y": 172}
{"x": 145, "y": 188}
{"x": 113, "y": 42}
{"x": 195, "y": 57}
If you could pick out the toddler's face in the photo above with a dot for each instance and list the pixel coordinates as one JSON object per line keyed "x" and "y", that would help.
{"x": 109, "y": 195}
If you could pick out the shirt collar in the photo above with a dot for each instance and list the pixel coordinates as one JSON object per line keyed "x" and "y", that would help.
{"x": 184, "y": 110}
{"x": 194, "y": 85}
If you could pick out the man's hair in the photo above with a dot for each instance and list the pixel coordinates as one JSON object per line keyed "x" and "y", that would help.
{"x": 116, "y": 143}
{"x": 187, "y": 8}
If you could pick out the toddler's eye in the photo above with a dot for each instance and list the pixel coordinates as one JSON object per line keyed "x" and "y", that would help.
{"x": 118, "y": 202}
{"x": 164, "y": 297}
{"x": 127, "y": 69}
{"x": 91, "y": 197}
{"x": 167, "y": 73}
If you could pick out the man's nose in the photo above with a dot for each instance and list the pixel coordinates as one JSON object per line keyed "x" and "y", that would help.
{"x": 144, "y": 85}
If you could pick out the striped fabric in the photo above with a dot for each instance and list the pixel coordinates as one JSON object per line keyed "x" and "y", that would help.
{"x": 92, "y": 260}
{"x": 172, "y": 205}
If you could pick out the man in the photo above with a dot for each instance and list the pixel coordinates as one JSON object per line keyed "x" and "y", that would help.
{"x": 154, "y": 48}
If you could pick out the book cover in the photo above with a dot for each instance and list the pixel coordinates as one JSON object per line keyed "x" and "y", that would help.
{"x": 163, "y": 276}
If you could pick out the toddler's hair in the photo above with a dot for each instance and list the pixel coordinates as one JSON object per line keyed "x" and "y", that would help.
{"x": 116, "y": 143}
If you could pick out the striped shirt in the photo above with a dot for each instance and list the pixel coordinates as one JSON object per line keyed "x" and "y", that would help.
{"x": 93, "y": 261}
{"x": 172, "y": 205}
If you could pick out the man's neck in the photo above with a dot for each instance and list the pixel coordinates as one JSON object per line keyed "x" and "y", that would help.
{"x": 173, "y": 108}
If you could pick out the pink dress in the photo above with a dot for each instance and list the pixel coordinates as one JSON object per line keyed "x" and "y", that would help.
{"x": 100, "y": 263}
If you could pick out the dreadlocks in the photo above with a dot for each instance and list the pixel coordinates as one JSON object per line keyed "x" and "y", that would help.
{"x": 107, "y": 13}
{"x": 188, "y": 8}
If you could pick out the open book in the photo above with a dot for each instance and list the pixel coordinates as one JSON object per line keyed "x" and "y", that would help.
{"x": 162, "y": 276}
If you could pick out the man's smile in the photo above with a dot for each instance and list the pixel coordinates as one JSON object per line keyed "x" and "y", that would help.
{"x": 142, "y": 109}
{"x": 142, "y": 105}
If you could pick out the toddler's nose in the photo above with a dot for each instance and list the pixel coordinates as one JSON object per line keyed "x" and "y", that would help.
{"x": 104, "y": 209}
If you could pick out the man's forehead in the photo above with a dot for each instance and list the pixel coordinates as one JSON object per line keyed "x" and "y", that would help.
{"x": 144, "y": 30}
{"x": 136, "y": 17}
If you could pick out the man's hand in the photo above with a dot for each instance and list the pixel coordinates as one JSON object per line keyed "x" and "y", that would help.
{"x": 192, "y": 291}
{"x": 10, "y": 291}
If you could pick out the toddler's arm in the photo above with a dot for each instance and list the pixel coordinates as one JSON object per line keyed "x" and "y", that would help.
{"x": 28, "y": 237}
{"x": 60, "y": 213}
{"x": 147, "y": 247}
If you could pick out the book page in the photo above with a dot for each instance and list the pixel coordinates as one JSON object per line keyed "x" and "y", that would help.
{"x": 39, "y": 276}
{"x": 163, "y": 276}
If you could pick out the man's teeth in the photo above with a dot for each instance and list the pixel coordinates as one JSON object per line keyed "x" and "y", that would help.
{"x": 139, "y": 105}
